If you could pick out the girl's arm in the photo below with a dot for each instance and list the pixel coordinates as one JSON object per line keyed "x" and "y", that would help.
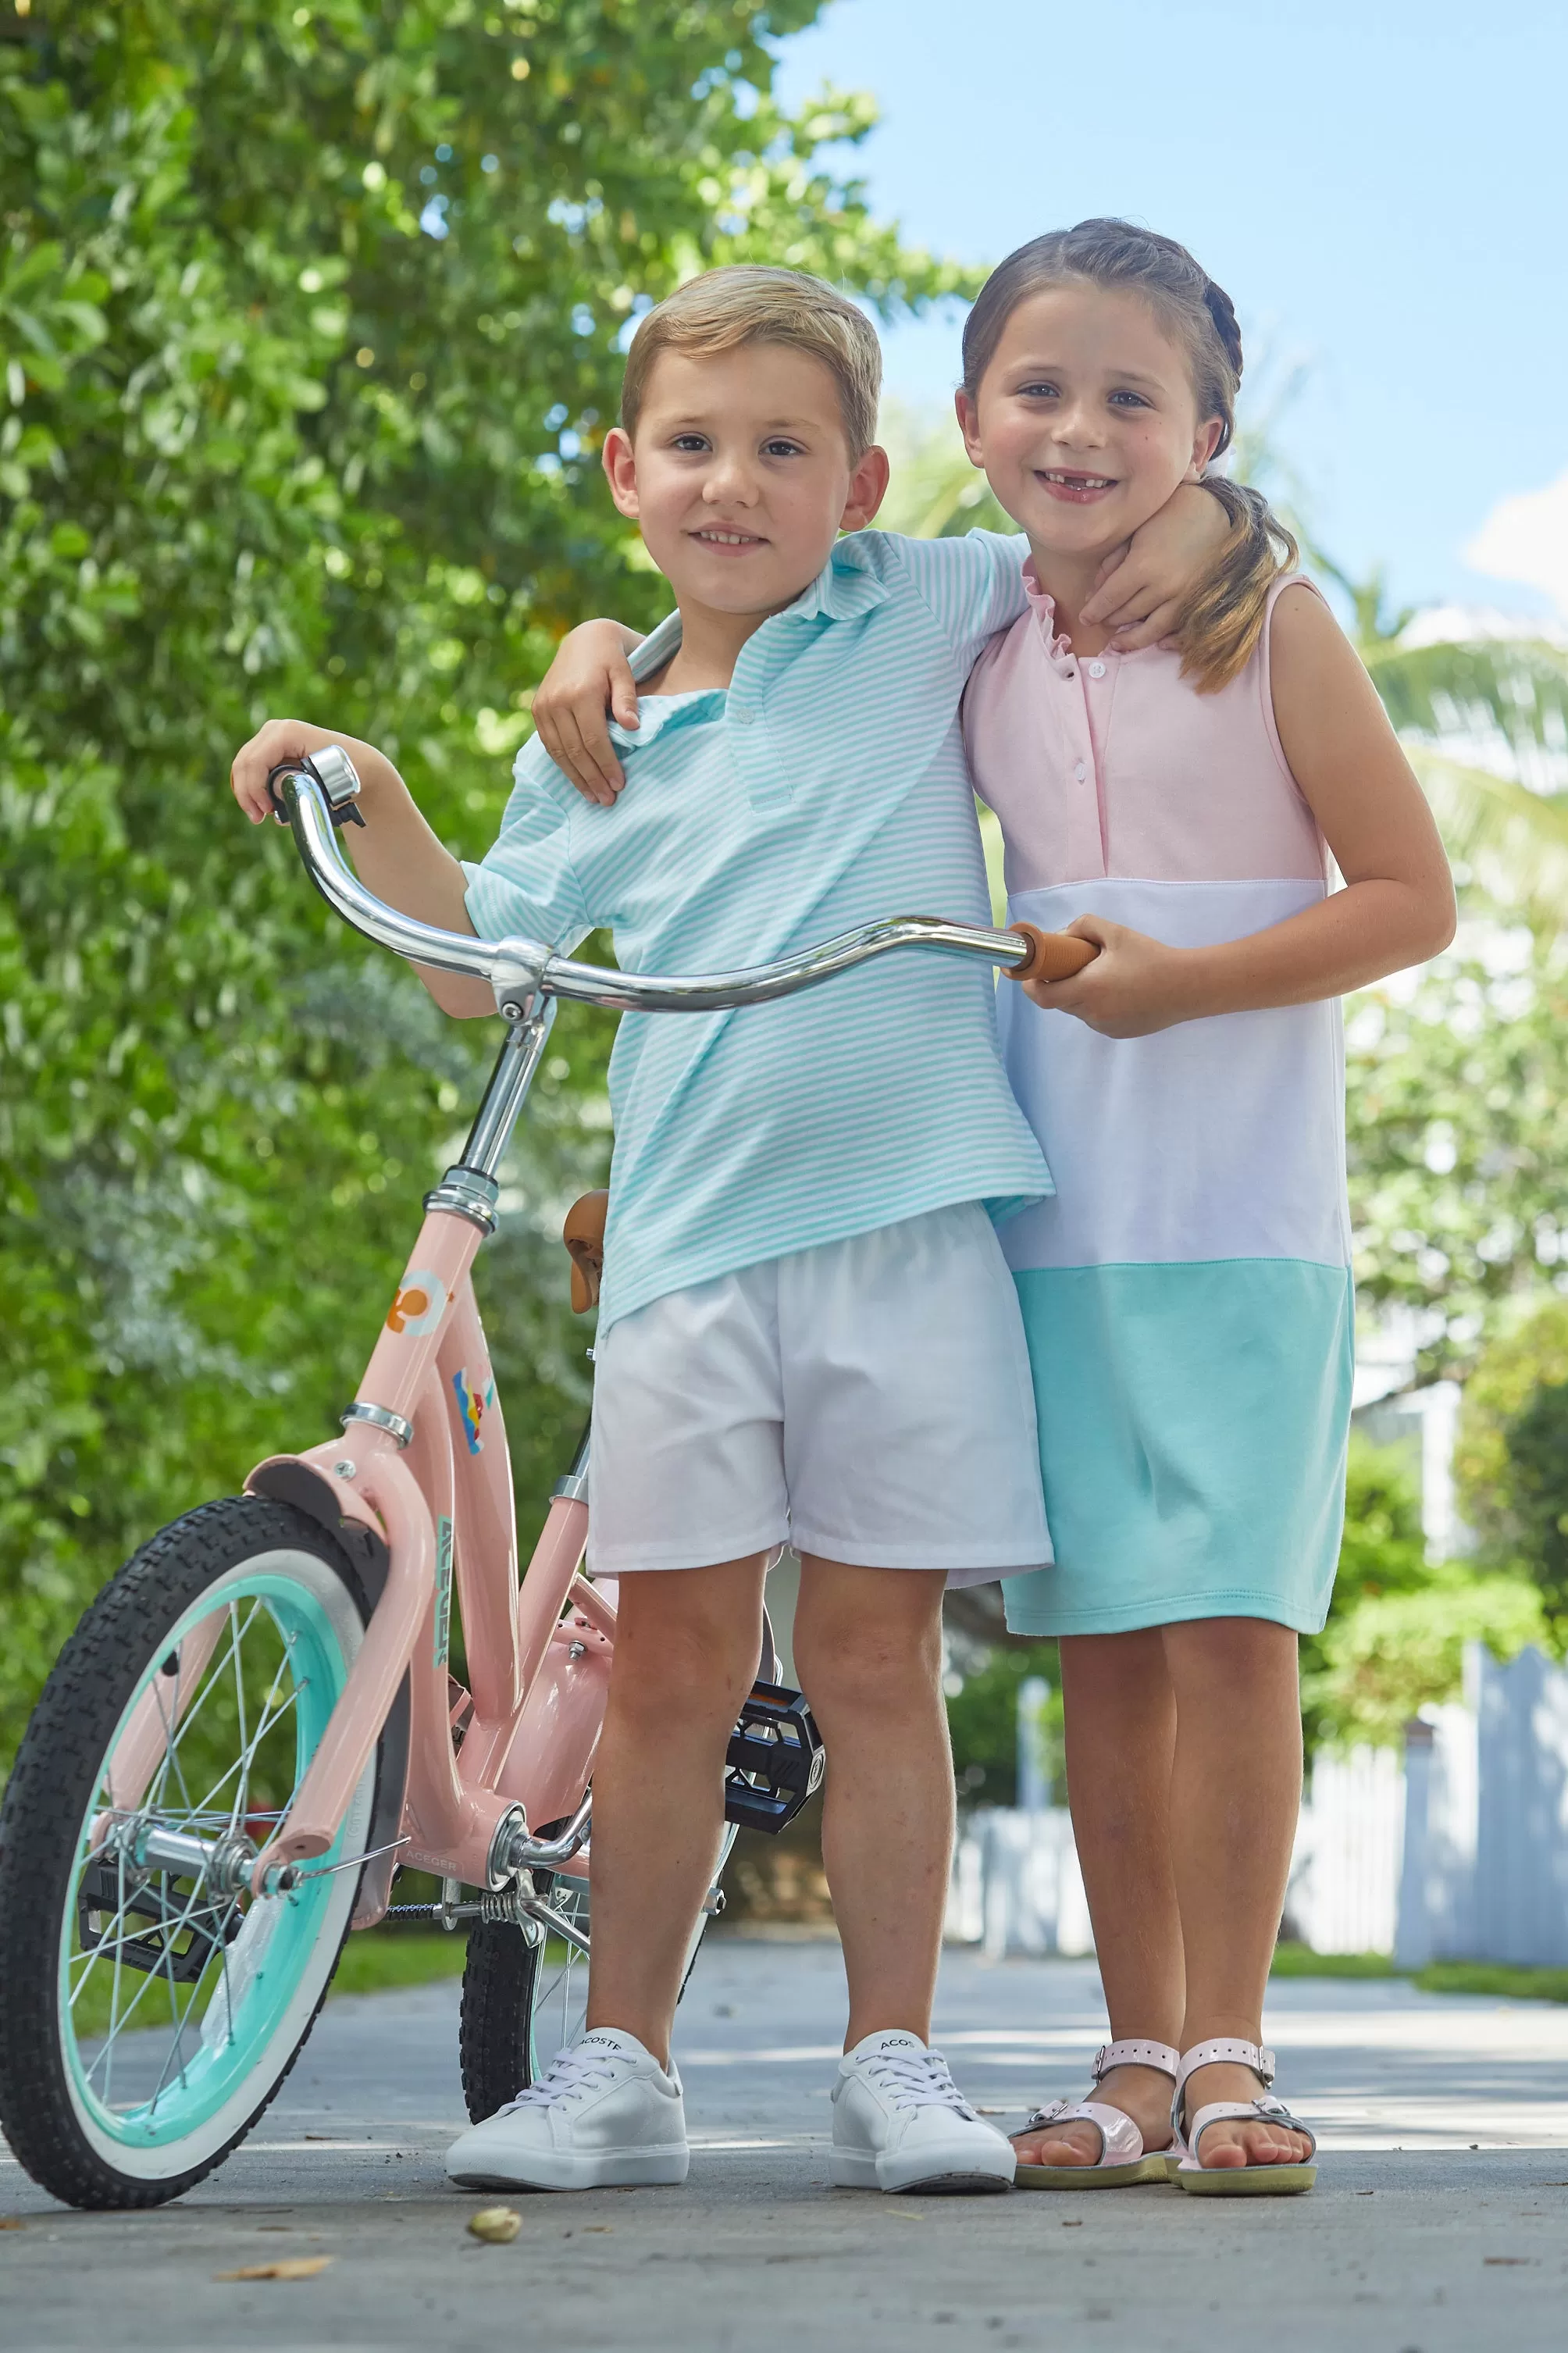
{"x": 1139, "y": 597}
{"x": 396, "y": 854}
{"x": 1397, "y": 906}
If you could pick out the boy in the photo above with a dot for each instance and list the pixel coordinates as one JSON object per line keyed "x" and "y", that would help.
{"x": 806, "y": 1331}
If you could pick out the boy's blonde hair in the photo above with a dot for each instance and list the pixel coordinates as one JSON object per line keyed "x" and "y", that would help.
{"x": 725, "y": 309}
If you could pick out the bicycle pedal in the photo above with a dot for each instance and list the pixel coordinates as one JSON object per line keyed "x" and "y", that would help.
{"x": 774, "y": 1761}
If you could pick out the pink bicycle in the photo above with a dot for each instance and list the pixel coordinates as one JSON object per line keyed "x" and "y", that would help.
{"x": 254, "y": 1726}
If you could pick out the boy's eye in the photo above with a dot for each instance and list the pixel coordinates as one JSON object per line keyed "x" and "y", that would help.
{"x": 691, "y": 441}
{"x": 781, "y": 449}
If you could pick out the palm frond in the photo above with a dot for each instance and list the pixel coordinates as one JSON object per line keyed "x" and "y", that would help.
{"x": 1511, "y": 842}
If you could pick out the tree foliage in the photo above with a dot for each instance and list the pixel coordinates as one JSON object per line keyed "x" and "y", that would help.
{"x": 311, "y": 320}
{"x": 1458, "y": 1134}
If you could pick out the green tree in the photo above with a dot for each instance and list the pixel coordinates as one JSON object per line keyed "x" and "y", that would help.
{"x": 1511, "y": 1457}
{"x": 1458, "y": 1134}
{"x": 311, "y": 320}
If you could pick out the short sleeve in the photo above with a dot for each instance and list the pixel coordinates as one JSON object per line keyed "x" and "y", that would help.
{"x": 526, "y": 885}
{"x": 974, "y": 585}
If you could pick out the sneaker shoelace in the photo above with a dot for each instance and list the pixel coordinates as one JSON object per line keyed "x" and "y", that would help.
{"x": 569, "y": 2072}
{"x": 919, "y": 2079}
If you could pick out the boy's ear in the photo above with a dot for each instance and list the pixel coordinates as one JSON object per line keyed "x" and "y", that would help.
{"x": 621, "y": 469}
{"x": 968, "y": 414}
{"x": 868, "y": 488}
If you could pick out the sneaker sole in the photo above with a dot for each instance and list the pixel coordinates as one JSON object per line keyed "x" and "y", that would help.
{"x": 617, "y": 2168}
{"x": 959, "y": 2177}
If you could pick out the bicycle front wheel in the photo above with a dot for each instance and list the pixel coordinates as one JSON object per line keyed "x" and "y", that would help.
{"x": 152, "y": 2006}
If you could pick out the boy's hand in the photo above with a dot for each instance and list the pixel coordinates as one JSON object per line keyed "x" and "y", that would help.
{"x": 589, "y": 678}
{"x": 292, "y": 739}
{"x": 1135, "y": 985}
{"x": 1139, "y": 591}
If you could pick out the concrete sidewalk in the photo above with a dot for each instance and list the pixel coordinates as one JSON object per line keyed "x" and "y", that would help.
{"x": 1440, "y": 2221}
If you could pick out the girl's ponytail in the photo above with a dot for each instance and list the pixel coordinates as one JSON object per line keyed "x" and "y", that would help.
{"x": 1222, "y": 622}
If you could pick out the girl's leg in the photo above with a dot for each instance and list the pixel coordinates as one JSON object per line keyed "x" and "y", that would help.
{"x": 1121, "y": 1740}
{"x": 867, "y": 1650}
{"x": 1236, "y": 1792}
{"x": 687, "y": 1645}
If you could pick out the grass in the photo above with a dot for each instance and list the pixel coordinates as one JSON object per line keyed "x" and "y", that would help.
{"x": 1498, "y": 1979}
{"x": 377, "y": 1959}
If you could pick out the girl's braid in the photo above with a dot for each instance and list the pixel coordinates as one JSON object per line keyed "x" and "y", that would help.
{"x": 1222, "y": 310}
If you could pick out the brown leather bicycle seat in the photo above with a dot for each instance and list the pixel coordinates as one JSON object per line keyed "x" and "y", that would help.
{"x": 584, "y": 1235}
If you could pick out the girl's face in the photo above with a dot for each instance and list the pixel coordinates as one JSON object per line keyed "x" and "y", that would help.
{"x": 1085, "y": 421}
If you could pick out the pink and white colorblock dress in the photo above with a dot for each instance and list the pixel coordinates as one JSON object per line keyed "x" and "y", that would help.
{"x": 1187, "y": 1291}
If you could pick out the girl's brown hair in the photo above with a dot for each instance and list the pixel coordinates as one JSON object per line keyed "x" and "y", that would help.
{"x": 1223, "y": 619}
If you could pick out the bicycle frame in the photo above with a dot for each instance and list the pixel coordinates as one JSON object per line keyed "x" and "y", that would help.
{"x": 423, "y": 1468}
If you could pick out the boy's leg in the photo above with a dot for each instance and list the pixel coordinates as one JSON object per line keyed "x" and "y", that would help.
{"x": 1236, "y": 1793}
{"x": 1121, "y": 1740}
{"x": 687, "y": 1646}
{"x": 867, "y": 1650}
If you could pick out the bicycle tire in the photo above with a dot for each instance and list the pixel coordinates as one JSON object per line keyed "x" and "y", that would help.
{"x": 46, "y": 2115}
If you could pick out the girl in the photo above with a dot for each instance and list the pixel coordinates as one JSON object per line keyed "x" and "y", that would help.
{"x": 1187, "y": 1293}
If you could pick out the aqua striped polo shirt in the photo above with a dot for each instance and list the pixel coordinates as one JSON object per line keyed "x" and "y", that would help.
{"x": 827, "y": 787}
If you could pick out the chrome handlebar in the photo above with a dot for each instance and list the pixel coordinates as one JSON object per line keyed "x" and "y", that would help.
{"x": 519, "y": 971}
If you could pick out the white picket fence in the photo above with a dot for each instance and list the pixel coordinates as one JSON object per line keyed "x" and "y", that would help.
{"x": 1457, "y": 1850}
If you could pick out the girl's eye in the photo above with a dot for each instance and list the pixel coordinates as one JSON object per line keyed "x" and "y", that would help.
{"x": 1042, "y": 390}
{"x": 1133, "y": 399}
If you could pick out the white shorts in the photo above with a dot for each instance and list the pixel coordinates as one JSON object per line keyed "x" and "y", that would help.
{"x": 869, "y": 1402}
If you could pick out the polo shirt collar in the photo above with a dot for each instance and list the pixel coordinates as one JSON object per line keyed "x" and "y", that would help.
{"x": 845, "y": 587}
{"x": 661, "y": 711}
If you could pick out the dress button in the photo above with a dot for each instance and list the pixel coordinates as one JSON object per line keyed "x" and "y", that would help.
{"x": 1080, "y": 772}
{"x": 1096, "y": 670}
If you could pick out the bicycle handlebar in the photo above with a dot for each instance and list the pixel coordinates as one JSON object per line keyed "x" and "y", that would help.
{"x": 518, "y": 970}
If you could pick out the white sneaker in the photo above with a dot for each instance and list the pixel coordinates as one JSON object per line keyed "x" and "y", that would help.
{"x": 899, "y": 2122}
{"x": 605, "y": 2115}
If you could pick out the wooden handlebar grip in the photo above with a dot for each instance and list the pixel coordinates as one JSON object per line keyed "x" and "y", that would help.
{"x": 1055, "y": 955}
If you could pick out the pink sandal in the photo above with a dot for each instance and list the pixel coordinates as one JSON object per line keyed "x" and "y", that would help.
{"x": 1123, "y": 2160}
{"x": 1236, "y": 2180}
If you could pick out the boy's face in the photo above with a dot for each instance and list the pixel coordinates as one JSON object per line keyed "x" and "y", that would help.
{"x": 741, "y": 476}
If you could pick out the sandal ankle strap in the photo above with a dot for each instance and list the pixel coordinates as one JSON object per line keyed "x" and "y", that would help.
{"x": 1222, "y": 2051}
{"x": 1136, "y": 2053}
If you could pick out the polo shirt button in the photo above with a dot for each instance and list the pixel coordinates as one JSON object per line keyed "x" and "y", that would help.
{"x": 1080, "y": 772}
{"x": 742, "y": 718}
{"x": 1096, "y": 670}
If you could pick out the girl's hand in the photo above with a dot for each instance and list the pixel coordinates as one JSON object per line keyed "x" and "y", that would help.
{"x": 589, "y": 678}
{"x": 1139, "y": 591}
{"x": 292, "y": 739}
{"x": 1135, "y": 985}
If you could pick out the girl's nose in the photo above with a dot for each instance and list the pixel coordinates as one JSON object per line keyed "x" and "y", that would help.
{"x": 1078, "y": 427}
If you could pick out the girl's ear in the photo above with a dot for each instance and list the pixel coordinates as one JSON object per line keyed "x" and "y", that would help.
{"x": 968, "y": 414}
{"x": 1206, "y": 441}
{"x": 621, "y": 469}
{"x": 868, "y": 488}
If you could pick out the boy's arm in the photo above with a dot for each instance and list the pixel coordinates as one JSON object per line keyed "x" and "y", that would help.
{"x": 395, "y": 853}
{"x": 1145, "y": 584}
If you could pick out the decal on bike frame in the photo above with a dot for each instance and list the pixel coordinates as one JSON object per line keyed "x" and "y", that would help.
{"x": 420, "y": 1303}
{"x": 473, "y": 1404}
{"x": 443, "y": 1588}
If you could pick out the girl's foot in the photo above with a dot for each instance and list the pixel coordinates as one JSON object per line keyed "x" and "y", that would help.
{"x": 1235, "y": 2138}
{"x": 1239, "y": 2140}
{"x": 1132, "y": 2080}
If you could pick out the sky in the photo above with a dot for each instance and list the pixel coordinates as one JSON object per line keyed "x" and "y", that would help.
{"x": 1381, "y": 187}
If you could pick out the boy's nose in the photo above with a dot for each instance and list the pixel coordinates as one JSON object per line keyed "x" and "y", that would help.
{"x": 730, "y": 483}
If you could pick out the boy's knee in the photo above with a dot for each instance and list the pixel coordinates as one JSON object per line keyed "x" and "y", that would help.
{"x": 676, "y": 1665}
{"x": 875, "y": 1670}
